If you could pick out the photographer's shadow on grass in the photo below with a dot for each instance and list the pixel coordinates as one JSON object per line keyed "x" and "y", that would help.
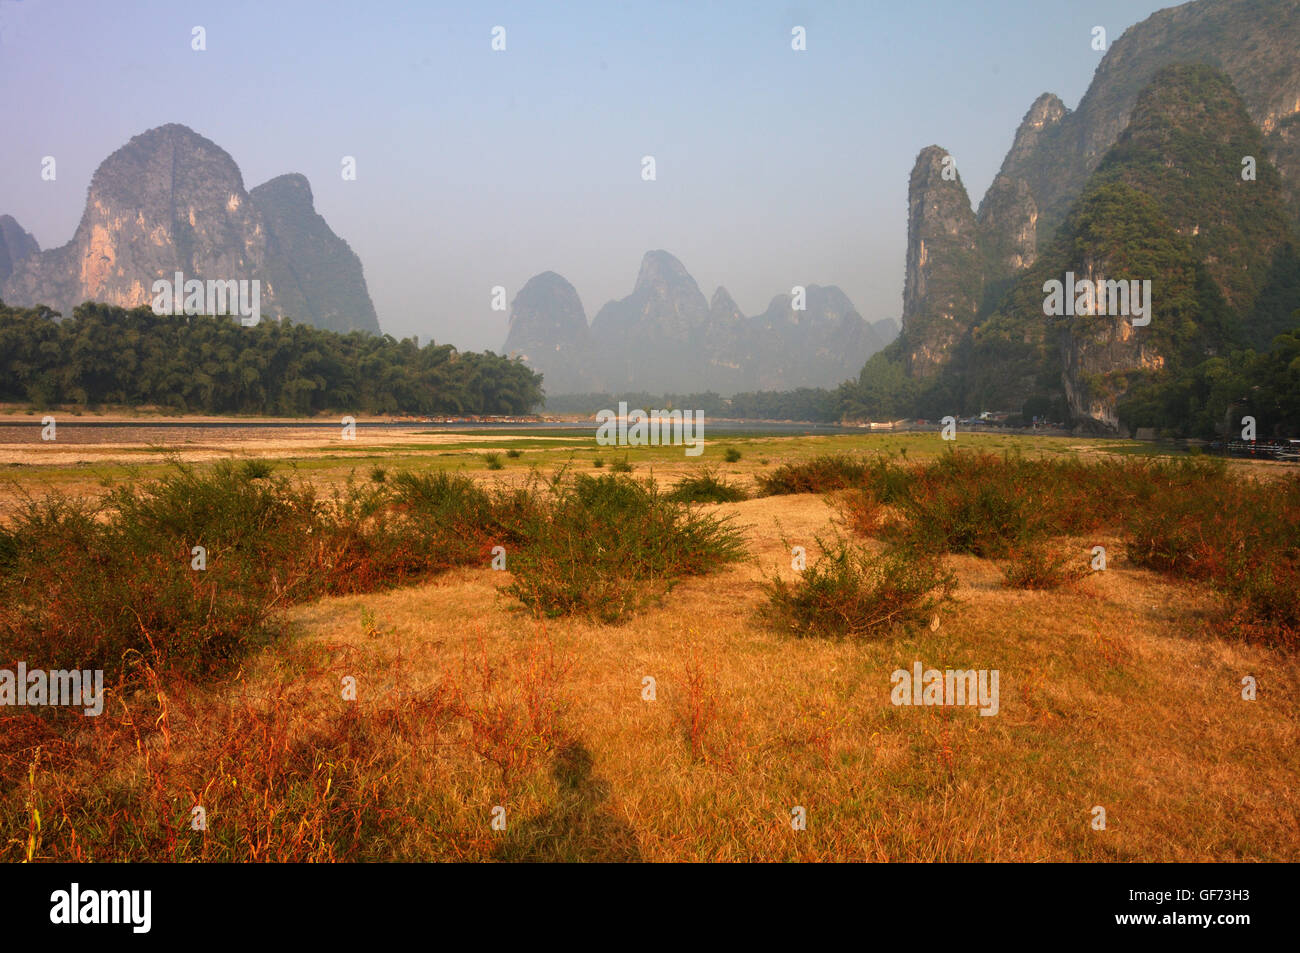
{"x": 580, "y": 827}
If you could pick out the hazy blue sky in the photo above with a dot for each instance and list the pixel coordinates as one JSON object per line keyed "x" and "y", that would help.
{"x": 478, "y": 168}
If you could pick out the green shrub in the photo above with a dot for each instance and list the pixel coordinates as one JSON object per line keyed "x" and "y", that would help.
{"x": 1262, "y": 601}
{"x": 103, "y": 585}
{"x": 732, "y": 455}
{"x": 818, "y": 475}
{"x": 706, "y": 487}
{"x": 256, "y": 469}
{"x": 888, "y": 481}
{"x": 1240, "y": 536}
{"x": 862, "y": 512}
{"x": 852, "y": 592}
{"x": 606, "y": 545}
{"x": 428, "y": 522}
{"x": 1036, "y": 567}
{"x": 969, "y": 503}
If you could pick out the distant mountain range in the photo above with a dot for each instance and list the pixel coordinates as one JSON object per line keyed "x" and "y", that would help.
{"x": 171, "y": 200}
{"x": 665, "y": 337}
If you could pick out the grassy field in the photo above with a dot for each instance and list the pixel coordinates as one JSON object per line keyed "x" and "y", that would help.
{"x": 83, "y": 461}
{"x": 696, "y": 724}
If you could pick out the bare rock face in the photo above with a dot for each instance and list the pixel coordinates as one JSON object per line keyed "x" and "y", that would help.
{"x": 943, "y": 284}
{"x": 548, "y": 330}
{"x": 1042, "y": 119}
{"x": 167, "y": 201}
{"x": 1008, "y": 228}
{"x": 171, "y": 200}
{"x": 313, "y": 271}
{"x": 1186, "y": 128}
{"x": 1094, "y": 352}
{"x": 1008, "y": 213}
{"x": 1100, "y": 354}
{"x": 1253, "y": 42}
{"x": 1054, "y": 157}
{"x": 1284, "y": 141}
{"x": 16, "y": 246}
{"x": 1166, "y": 211}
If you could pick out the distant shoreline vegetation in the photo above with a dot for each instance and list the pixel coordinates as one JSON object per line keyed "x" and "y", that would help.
{"x": 804, "y": 404}
{"x": 106, "y": 355}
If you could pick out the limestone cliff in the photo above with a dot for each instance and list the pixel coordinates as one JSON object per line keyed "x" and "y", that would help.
{"x": 171, "y": 200}
{"x": 944, "y": 281}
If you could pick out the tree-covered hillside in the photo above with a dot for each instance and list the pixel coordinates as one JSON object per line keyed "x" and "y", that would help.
{"x": 1188, "y": 200}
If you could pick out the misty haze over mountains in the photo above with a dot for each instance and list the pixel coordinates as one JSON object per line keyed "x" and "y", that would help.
{"x": 665, "y": 337}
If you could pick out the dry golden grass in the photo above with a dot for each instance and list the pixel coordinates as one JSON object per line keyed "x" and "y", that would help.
{"x": 1108, "y": 698}
{"x": 1111, "y": 696}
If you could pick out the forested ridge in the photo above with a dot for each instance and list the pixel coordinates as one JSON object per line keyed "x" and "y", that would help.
{"x": 106, "y": 355}
{"x": 1187, "y": 199}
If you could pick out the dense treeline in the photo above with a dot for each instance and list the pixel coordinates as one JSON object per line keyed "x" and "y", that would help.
{"x": 712, "y": 404}
{"x": 882, "y": 391}
{"x": 213, "y": 365}
{"x": 804, "y": 404}
{"x": 1205, "y": 399}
